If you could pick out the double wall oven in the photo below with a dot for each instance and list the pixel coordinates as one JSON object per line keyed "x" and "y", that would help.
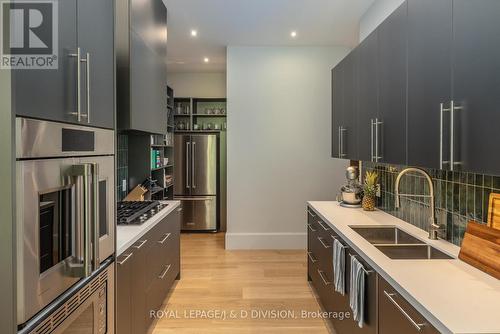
{"x": 65, "y": 177}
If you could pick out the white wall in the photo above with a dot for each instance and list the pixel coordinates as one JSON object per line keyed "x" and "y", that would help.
{"x": 279, "y": 138}
{"x": 198, "y": 84}
{"x": 375, "y": 15}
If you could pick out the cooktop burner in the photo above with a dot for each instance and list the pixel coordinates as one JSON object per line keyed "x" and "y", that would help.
{"x": 136, "y": 212}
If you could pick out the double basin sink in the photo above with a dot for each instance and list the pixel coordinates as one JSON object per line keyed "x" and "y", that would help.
{"x": 398, "y": 244}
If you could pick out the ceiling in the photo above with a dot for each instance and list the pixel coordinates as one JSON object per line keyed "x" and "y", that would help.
{"x": 222, "y": 23}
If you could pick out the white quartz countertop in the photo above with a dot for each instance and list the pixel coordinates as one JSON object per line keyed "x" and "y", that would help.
{"x": 454, "y": 296}
{"x": 127, "y": 235}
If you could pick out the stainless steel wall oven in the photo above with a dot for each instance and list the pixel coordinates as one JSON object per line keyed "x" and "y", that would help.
{"x": 65, "y": 178}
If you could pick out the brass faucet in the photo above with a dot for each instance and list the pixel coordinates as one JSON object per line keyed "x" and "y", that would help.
{"x": 433, "y": 226}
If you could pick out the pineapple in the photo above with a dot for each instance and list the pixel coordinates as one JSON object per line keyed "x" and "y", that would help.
{"x": 370, "y": 191}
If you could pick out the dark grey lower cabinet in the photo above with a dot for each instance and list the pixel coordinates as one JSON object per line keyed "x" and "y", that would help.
{"x": 145, "y": 274}
{"x": 397, "y": 316}
{"x": 385, "y": 311}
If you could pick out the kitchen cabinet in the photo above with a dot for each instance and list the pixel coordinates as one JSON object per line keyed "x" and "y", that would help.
{"x": 141, "y": 66}
{"x": 392, "y": 72}
{"x": 145, "y": 274}
{"x": 85, "y": 25}
{"x": 385, "y": 311}
{"x": 429, "y": 80}
{"x": 320, "y": 274}
{"x": 476, "y": 86}
{"x": 337, "y": 106}
{"x": 96, "y": 37}
{"x": 367, "y": 127}
{"x": 396, "y": 315}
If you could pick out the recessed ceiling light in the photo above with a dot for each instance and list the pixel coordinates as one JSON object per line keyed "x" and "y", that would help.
{"x": 293, "y": 34}
{"x": 194, "y": 33}
{"x": 206, "y": 60}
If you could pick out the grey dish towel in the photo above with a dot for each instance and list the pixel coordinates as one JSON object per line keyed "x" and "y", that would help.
{"x": 339, "y": 266}
{"x": 357, "y": 291}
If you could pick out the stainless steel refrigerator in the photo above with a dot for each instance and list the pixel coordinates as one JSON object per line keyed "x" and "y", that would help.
{"x": 196, "y": 180}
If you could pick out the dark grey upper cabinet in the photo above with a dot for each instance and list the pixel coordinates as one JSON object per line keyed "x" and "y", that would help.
{"x": 476, "y": 85}
{"x": 349, "y": 137}
{"x": 51, "y": 94}
{"x": 392, "y": 41}
{"x": 429, "y": 80}
{"x": 96, "y": 37}
{"x": 141, "y": 65}
{"x": 337, "y": 105}
{"x": 367, "y": 95}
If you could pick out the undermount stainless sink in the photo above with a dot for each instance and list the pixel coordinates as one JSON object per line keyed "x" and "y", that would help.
{"x": 386, "y": 235}
{"x": 412, "y": 252}
{"x": 398, "y": 244}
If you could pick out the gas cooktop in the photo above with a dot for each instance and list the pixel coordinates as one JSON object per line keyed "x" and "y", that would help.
{"x": 137, "y": 212}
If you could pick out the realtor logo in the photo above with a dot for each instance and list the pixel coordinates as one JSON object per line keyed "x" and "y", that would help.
{"x": 29, "y": 34}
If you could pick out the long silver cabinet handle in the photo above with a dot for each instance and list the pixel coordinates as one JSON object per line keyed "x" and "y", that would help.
{"x": 372, "y": 123}
{"x": 323, "y": 243}
{"x": 311, "y": 257}
{"x": 326, "y": 228}
{"x": 164, "y": 273}
{"x": 311, "y": 213}
{"x": 87, "y": 81}
{"x": 390, "y": 296}
{"x": 377, "y": 141}
{"x": 122, "y": 262}
{"x": 78, "y": 56}
{"x": 142, "y": 243}
{"x": 162, "y": 241}
{"x": 452, "y": 134}
{"x": 340, "y": 142}
{"x": 325, "y": 281}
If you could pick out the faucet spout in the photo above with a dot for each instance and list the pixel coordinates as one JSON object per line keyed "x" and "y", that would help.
{"x": 433, "y": 226}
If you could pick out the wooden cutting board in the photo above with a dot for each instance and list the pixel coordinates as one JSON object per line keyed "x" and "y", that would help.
{"x": 494, "y": 211}
{"x": 481, "y": 248}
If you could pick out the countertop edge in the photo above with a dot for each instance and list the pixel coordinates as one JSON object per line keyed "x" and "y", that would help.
{"x": 144, "y": 228}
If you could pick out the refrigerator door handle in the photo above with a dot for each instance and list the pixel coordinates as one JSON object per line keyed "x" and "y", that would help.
{"x": 188, "y": 145}
{"x": 193, "y": 155}
{"x": 180, "y": 198}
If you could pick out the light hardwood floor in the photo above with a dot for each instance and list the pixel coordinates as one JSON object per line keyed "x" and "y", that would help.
{"x": 213, "y": 278}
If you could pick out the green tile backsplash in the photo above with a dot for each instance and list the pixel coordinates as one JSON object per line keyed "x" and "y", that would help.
{"x": 460, "y": 197}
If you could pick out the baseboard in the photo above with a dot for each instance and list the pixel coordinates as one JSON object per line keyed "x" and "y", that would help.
{"x": 266, "y": 240}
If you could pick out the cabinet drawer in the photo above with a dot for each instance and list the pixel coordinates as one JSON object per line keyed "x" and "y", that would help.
{"x": 397, "y": 315}
{"x": 161, "y": 285}
{"x": 323, "y": 286}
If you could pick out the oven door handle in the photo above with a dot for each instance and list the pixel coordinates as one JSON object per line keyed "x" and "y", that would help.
{"x": 83, "y": 174}
{"x": 95, "y": 227}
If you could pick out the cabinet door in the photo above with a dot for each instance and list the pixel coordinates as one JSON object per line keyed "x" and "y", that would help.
{"x": 429, "y": 78}
{"x": 51, "y": 94}
{"x": 370, "y": 309}
{"x": 349, "y": 138}
{"x": 96, "y": 37}
{"x": 367, "y": 94}
{"x": 476, "y": 84}
{"x": 124, "y": 270}
{"x": 148, "y": 103}
{"x": 392, "y": 38}
{"x": 396, "y": 315}
{"x": 337, "y": 105}
{"x": 140, "y": 311}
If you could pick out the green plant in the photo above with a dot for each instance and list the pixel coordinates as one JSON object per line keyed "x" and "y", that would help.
{"x": 370, "y": 185}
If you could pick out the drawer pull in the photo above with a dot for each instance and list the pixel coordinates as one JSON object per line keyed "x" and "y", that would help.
{"x": 164, "y": 273}
{"x": 417, "y": 326}
{"x": 323, "y": 243}
{"x": 311, "y": 257}
{"x": 311, "y": 228}
{"x": 142, "y": 243}
{"x": 162, "y": 241}
{"x": 122, "y": 262}
{"x": 326, "y": 228}
{"x": 325, "y": 281}
{"x": 310, "y": 213}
